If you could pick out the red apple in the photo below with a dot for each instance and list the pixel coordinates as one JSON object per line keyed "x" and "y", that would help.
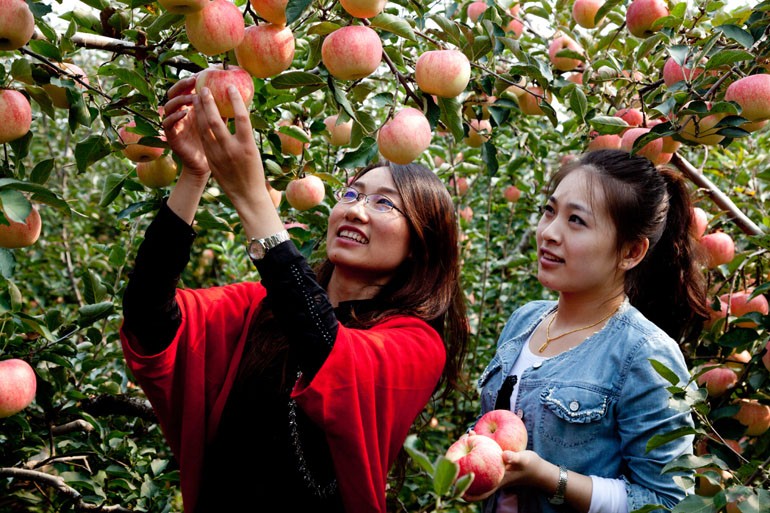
{"x": 17, "y": 386}
{"x": 584, "y": 12}
{"x": 305, "y": 193}
{"x": 740, "y": 305}
{"x": 719, "y": 247}
{"x": 515, "y": 27}
{"x": 479, "y": 132}
{"x": 715, "y": 315}
{"x": 363, "y": 8}
{"x": 57, "y": 93}
{"x": 20, "y": 235}
{"x": 604, "y": 142}
{"x": 466, "y": 213}
{"x": 505, "y": 428}
{"x": 475, "y": 9}
{"x": 339, "y": 133}
{"x": 652, "y": 150}
{"x": 766, "y": 356}
{"x": 290, "y": 145}
{"x": 633, "y": 117}
{"x": 483, "y": 457}
{"x": 512, "y": 193}
{"x": 702, "y": 130}
{"x": 444, "y": 73}
{"x": 351, "y": 52}
{"x": 717, "y": 379}
{"x": 266, "y": 50}
{"x": 700, "y": 222}
{"x": 405, "y": 137}
{"x": 575, "y": 78}
{"x": 215, "y": 29}
{"x": 218, "y": 80}
{"x": 15, "y": 115}
{"x": 134, "y": 151}
{"x": 753, "y": 415}
{"x": 564, "y": 42}
{"x": 157, "y": 173}
{"x": 273, "y": 11}
{"x": 183, "y": 6}
{"x": 17, "y": 24}
{"x": 461, "y": 187}
{"x": 529, "y": 102}
{"x": 752, "y": 93}
{"x": 673, "y": 72}
{"x": 641, "y": 14}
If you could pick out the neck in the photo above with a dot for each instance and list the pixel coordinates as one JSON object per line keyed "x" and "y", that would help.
{"x": 573, "y": 310}
{"x": 349, "y": 287}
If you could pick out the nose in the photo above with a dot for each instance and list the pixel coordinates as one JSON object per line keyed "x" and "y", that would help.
{"x": 549, "y": 230}
{"x": 357, "y": 210}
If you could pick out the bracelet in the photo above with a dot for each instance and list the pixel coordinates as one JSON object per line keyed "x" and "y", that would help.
{"x": 558, "y": 496}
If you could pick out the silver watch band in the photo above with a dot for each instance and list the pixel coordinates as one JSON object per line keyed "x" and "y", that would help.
{"x": 558, "y": 496}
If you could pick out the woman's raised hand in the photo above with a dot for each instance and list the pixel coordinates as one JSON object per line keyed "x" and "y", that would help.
{"x": 181, "y": 130}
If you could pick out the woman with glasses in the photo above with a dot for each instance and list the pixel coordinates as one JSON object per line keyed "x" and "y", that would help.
{"x": 295, "y": 393}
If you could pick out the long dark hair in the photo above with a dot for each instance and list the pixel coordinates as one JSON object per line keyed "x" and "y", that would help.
{"x": 668, "y": 286}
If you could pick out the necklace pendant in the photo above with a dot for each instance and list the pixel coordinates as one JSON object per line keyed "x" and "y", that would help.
{"x": 542, "y": 348}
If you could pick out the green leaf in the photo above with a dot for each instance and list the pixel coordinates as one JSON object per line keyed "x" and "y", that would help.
{"x": 695, "y": 504}
{"x": 90, "y": 150}
{"x": 394, "y": 24}
{"x": 7, "y": 263}
{"x": 608, "y": 124}
{"x": 451, "y": 116}
{"x": 295, "y": 8}
{"x": 445, "y": 475}
{"x": 42, "y": 171}
{"x": 665, "y": 372}
{"x": 419, "y": 457}
{"x": 89, "y": 314}
{"x": 113, "y": 184}
{"x": 578, "y": 103}
{"x": 737, "y": 34}
{"x": 361, "y": 156}
{"x": 93, "y": 288}
{"x": 658, "y": 440}
{"x": 293, "y": 79}
{"x": 489, "y": 156}
{"x": 727, "y": 57}
{"x": 15, "y": 206}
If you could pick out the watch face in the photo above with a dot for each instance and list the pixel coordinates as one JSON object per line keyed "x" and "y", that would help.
{"x": 256, "y": 250}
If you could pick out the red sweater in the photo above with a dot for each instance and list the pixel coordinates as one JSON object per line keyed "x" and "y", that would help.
{"x": 365, "y": 396}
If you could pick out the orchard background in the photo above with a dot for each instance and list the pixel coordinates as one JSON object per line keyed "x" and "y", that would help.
{"x": 89, "y": 440}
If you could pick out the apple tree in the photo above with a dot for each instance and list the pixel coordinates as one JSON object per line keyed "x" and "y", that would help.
{"x": 493, "y": 95}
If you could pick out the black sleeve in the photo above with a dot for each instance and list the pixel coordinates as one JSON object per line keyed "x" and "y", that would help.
{"x": 150, "y": 310}
{"x": 300, "y": 305}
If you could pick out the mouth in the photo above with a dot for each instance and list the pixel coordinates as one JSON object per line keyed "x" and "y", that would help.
{"x": 353, "y": 235}
{"x": 550, "y": 257}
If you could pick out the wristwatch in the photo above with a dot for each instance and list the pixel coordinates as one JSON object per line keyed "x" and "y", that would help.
{"x": 558, "y": 496}
{"x": 258, "y": 248}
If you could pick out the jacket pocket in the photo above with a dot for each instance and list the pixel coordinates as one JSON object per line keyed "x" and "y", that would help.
{"x": 572, "y": 415}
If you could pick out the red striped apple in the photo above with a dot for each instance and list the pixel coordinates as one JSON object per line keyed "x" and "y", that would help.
{"x": 584, "y": 12}
{"x": 157, "y": 173}
{"x": 266, "y": 50}
{"x": 445, "y": 73}
{"x": 529, "y": 102}
{"x": 15, "y": 115}
{"x": 512, "y": 193}
{"x": 305, "y": 193}
{"x": 17, "y": 386}
{"x": 273, "y": 11}
{"x": 673, "y": 72}
{"x": 740, "y": 305}
{"x": 183, "y": 6}
{"x": 339, "y": 133}
{"x": 20, "y": 235}
{"x": 481, "y": 456}
{"x": 479, "y": 132}
{"x": 134, "y": 151}
{"x": 752, "y": 93}
{"x": 405, "y": 137}
{"x": 717, "y": 379}
{"x": 632, "y": 116}
{"x": 17, "y": 24}
{"x": 652, "y": 150}
{"x": 58, "y": 93}
{"x": 720, "y": 248}
{"x": 217, "y": 80}
{"x": 363, "y": 8}
{"x": 515, "y": 27}
{"x": 754, "y": 415}
{"x": 215, "y": 29}
{"x": 352, "y": 52}
{"x": 505, "y": 428}
{"x": 564, "y": 42}
{"x": 641, "y": 14}
{"x": 475, "y": 9}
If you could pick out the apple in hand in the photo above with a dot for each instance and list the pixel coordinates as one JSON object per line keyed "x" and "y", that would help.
{"x": 273, "y": 11}
{"x": 17, "y": 24}
{"x": 505, "y": 428}
{"x": 15, "y": 115}
{"x": 218, "y": 80}
{"x": 183, "y": 6}
{"x": 641, "y": 14}
{"x": 266, "y": 50}
{"x": 134, "y": 151}
{"x": 584, "y": 12}
{"x": 157, "y": 173}
{"x": 483, "y": 457}
{"x": 215, "y": 29}
{"x": 352, "y": 52}
{"x": 752, "y": 93}
{"x": 20, "y": 235}
{"x": 17, "y": 386}
{"x": 305, "y": 193}
{"x": 339, "y": 133}
{"x": 405, "y": 137}
{"x": 445, "y": 73}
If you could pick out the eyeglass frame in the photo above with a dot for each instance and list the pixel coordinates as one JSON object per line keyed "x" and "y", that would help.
{"x": 339, "y": 193}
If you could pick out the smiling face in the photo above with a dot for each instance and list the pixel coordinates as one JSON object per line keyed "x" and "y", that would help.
{"x": 366, "y": 246}
{"x": 576, "y": 240}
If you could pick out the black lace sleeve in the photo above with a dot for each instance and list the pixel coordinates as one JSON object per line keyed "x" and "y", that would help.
{"x": 300, "y": 305}
{"x": 150, "y": 311}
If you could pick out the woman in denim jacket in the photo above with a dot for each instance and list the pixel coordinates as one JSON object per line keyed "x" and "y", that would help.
{"x": 614, "y": 241}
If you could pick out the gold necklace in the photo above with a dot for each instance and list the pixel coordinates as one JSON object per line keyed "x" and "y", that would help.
{"x": 549, "y": 338}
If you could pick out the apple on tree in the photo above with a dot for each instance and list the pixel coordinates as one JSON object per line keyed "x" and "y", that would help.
{"x": 642, "y": 14}
{"x": 702, "y": 130}
{"x": 475, "y": 9}
{"x": 183, "y": 6}
{"x": 512, "y": 193}
{"x": 306, "y": 192}
{"x": 290, "y": 145}
{"x": 564, "y": 42}
{"x": 215, "y": 29}
{"x": 58, "y": 93}
{"x": 158, "y": 173}
{"x": 461, "y": 185}
{"x": 339, "y": 133}
{"x": 718, "y": 379}
{"x": 741, "y": 303}
{"x": 266, "y": 50}
{"x": 16, "y": 234}
{"x": 631, "y": 115}
{"x": 405, "y": 137}
{"x": 504, "y": 427}
{"x": 273, "y": 11}
{"x": 754, "y": 415}
{"x": 752, "y": 93}
{"x": 363, "y": 8}
{"x": 352, "y": 52}
{"x": 653, "y": 150}
{"x": 479, "y": 132}
{"x": 445, "y": 73}
{"x": 604, "y": 142}
{"x": 17, "y": 24}
{"x": 15, "y": 115}
{"x": 133, "y": 150}
{"x": 481, "y": 456}
{"x": 584, "y": 12}
{"x": 18, "y": 385}
{"x": 719, "y": 247}
{"x": 699, "y": 222}
{"x": 217, "y": 79}
{"x": 673, "y": 72}
{"x": 530, "y": 101}
{"x": 515, "y": 27}
{"x": 275, "y": 195}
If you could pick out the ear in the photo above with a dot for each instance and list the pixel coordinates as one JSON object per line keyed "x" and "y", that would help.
{"x": 633, "y": 253}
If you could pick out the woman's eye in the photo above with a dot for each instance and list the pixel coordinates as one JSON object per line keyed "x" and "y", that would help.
{"x": 576, "y": 219}
{"x": 546, "y": 209}
{"x": 350, "y": 195}
{"x": 382, "y": 200}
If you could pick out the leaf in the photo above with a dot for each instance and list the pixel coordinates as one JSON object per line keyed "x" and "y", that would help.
{"x": 658, "y": 440}
{"x": 15, "y": 206}
{"x": 293, "y": 79}
{"x": 737, "y": 34}
{"x": 608, "y": 124}
{"x": 361, "y": 156}
{"x": 726, "y": 57}
{"x": 664, "y": 371}
{"x": 393, "y": 24}
{"x": 489, "y": 156}
{"x": 90, "y": 150}
{"x": 695, "y": 504}
{"x": 42, "y": 171}
{"x": 445, "y": 475}
{"x": 89, "y": 314}
{"x": 295, "y": 132}
{"x": 451, "y": 116}
{"x": 113, "y": 184}
{"x": 295, "y": 8}
{"x": 7, "y": 263}
{"x": 578, "y": 103}
{"x": 93, "y": 288}
{"x": 419, "y": 457}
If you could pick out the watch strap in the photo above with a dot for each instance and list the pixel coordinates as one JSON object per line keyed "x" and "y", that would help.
{"x": 266, "y": 243}
{"x": 561, "y": 487}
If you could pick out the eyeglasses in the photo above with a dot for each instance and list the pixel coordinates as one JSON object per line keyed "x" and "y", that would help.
{"x": 376, "y": 202}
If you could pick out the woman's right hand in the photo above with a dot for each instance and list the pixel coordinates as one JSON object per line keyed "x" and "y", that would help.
{"x": 179, "y": 126}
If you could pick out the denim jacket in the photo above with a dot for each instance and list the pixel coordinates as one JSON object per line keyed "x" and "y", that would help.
{"x": 594, "y": 407}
